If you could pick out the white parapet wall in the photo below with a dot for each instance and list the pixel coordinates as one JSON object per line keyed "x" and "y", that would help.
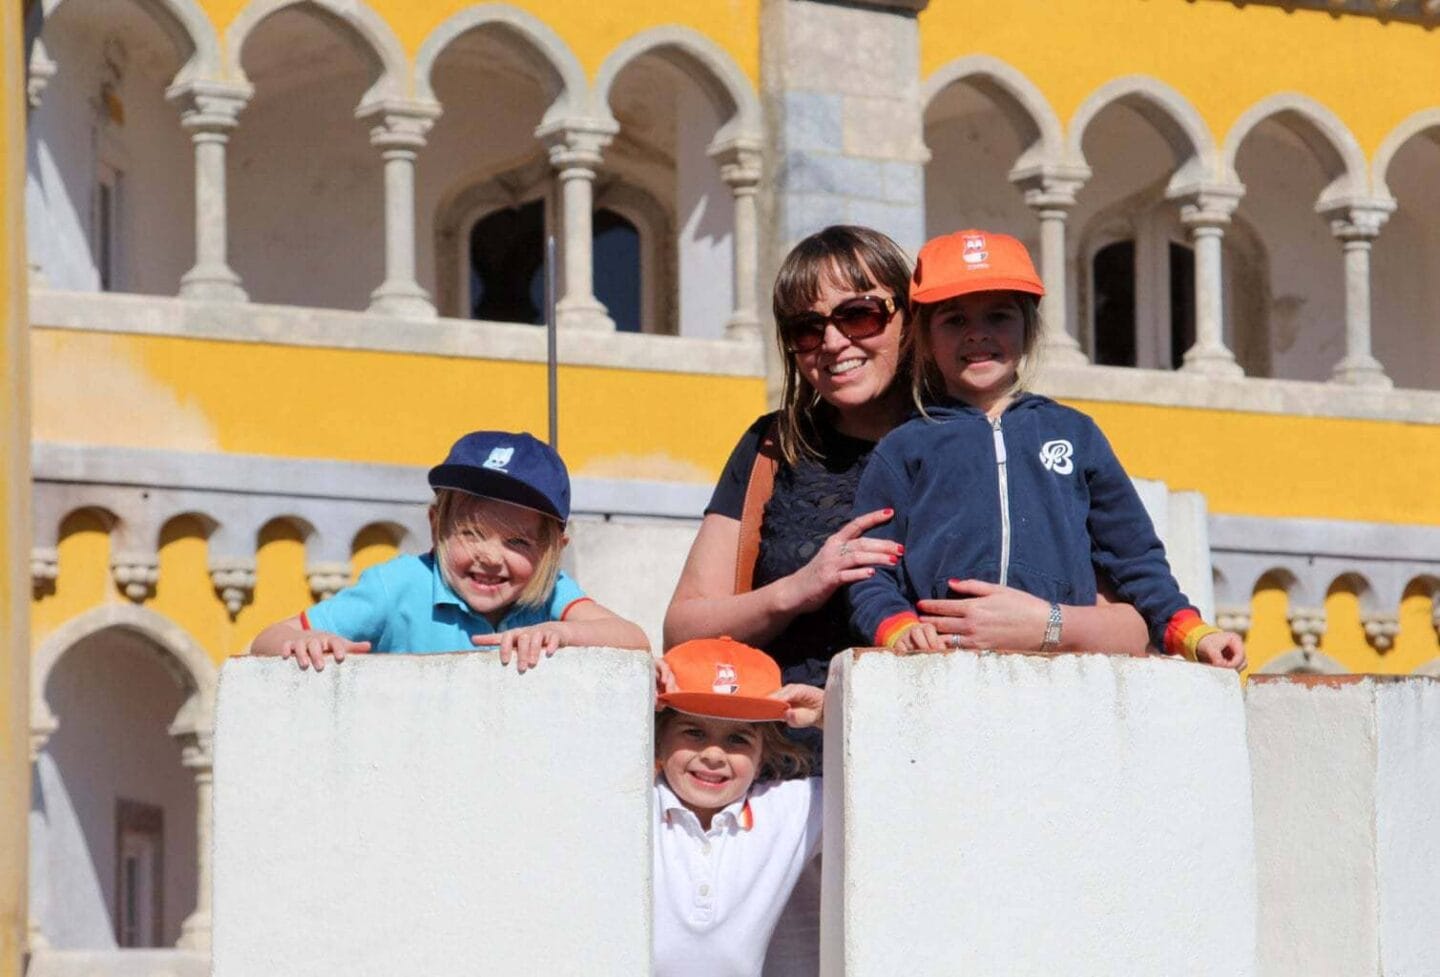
{"x": 1347, "y": 824}
{"x": 434, "y": 814}
{"x": 1063, "y": 816}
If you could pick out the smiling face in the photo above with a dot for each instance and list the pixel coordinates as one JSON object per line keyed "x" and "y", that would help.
{"x": 708, "y": 763}
{"x": 976, "y": 342}
{"x": 488, "y": 551}
{"x": 851, "y": 375}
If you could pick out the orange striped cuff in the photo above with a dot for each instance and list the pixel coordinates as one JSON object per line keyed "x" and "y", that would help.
{"x": 894, "y": 626}
{"x": 1184, "y": 632}
{"x": 573, "y": 604}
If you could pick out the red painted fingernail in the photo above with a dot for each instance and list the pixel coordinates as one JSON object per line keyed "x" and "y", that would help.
{"x": 889, "y": 512}
{"x": 900, "y": 549}
{"x": 894, "y": 560}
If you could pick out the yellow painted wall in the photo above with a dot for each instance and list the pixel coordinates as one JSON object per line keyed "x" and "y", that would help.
{"x": 356, "y": 405}
{"x": 592, "y": 30}
{"x": 14, "y": 501}
{"x": 1223, "y": 58}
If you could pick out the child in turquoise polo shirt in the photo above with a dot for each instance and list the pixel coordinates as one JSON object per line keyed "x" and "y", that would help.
{"x": 493, "y": 577}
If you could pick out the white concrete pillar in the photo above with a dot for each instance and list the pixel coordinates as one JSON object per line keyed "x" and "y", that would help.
{"x": 740, "y": 169}
{"x": 398, "y": 131}
{"x": 1356, "y": 226}
{"x": 575, "y": 153}
{"x": 434, "y": 844}
{"x": 198, "y": 757}
{"x": 209, "y": 111}
{"x": 1347, "y": 804}
{"x": 1050, "y": 192}
{"x": 1207, "y": 213}
{"x": 1066, "y": 815}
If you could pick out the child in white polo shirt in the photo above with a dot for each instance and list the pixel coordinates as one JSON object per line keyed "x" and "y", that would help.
{"x": 738, "y": 820}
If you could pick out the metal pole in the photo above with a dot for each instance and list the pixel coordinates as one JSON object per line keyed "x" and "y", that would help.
{"x": 551, "y": 359}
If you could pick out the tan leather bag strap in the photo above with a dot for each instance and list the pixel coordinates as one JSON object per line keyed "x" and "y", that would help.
{"x": 757, "y": 493}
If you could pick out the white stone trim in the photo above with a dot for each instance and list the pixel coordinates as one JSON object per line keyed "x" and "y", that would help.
{"x": 1165, "y": 388}
{"x": 718, "y": 75}
{"x": 1327, "y": 537}
{"x": 568, "y": 88}
{"x": 1425, "y": 121}
{"x": 284, "y": 325}
{"x": 1432, "y": 667}
{"x": 378, "y": 41}
{"x": 1322, "y": 130}
{"x": 186, "y": 23}
{"x": 1021, "y": 102}
{"x": 1167, "y": 110}
{"x": 327, "y": 480}
{"x": 1301, "y": 660}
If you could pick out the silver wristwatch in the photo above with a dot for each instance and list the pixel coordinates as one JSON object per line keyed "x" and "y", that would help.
{"x": 1052, "y": 630}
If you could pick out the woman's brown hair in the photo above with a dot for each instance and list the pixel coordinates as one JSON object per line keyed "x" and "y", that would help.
{"x": 848, "y": 256}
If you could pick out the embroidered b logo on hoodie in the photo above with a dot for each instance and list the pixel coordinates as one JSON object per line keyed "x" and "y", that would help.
{"x": 1056, "y": 456}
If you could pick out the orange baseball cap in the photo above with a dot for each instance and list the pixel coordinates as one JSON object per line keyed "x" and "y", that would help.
{"x": 973, "y": 261}
{"x": 724, "y": 679}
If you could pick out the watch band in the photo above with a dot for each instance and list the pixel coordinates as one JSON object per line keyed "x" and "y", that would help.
{"x": 1052, "y": 630}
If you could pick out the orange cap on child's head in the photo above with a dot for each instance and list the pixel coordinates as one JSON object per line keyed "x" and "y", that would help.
{"x": 724, "y": 679}
{"x": 973, "y": 261}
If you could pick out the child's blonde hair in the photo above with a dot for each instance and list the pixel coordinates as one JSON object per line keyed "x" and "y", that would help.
{"x": 926, "y": 383}
{"x": 456, "y": 511}
{"x": 781, "y": 758}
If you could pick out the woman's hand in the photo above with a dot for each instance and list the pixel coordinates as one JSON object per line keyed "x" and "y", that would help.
{"x": 988, "y": 616}
{"x": 847, "y": 556}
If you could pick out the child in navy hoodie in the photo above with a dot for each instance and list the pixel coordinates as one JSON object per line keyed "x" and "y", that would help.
{"x": 992, "y": 483}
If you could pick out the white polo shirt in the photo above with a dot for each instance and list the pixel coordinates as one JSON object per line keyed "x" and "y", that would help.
{"x": 718, "y": 893}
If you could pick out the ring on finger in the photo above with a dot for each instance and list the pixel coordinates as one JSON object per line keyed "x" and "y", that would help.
{"x": 953, "y": 640}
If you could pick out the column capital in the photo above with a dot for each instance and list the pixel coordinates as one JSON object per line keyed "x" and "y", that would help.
{"x": 400, "y": 123}
{"x": 1208, "y": 205}
{"x": 1050, "y": 186}
{"x": 38, "y": 74}
{"x": 209, "y": 106}
{"x": 197, "y": 750}
{"x": 577, "y": 144}
{"x": 740, "y": 164}
{"x": 234, "y": 581}
{"x": 1358, "y": 220}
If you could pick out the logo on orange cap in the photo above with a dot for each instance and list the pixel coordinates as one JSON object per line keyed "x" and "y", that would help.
{"x": 973, "y": 261}
{"x": 722, "y": 678}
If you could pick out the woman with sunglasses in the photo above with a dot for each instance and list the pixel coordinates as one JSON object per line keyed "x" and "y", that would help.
{"x": 841, "y": 313}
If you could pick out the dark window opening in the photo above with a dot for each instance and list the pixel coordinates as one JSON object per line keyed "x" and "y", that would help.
{"x": 139, "y": 873}
{"x": 507, "y": 266}
{"x": 1182, "y": 302}
{"x": 1113, "y": 279}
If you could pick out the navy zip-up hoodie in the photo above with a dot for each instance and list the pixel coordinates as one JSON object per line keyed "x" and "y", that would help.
{"x": 1036, "y": 501}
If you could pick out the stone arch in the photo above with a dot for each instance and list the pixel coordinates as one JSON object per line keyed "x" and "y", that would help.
{"x": 372, "y": 35}
{"x": 1296, "y": 588}
{"x": 1426, "y": 122}
{"x": 187, "y": 661}
{"x": 703, "y": 60}
{"x": 1359, "y": 585}
{"x": 188, "y": 26}
{"x": 1023, "y": 104}
{"x": 1299, "y": 660}
{"x": 1320, "y": 129}
{"x": 1163, "y": 107}
{"x": 566, "y": 78}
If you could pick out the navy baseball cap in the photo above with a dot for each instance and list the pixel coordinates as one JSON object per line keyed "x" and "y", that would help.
{"x": 510, "y": 467}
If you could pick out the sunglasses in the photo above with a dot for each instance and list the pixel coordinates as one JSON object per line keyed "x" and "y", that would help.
{"x": 858, "y": 318}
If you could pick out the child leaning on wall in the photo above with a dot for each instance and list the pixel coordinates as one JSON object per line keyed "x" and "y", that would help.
{"x": 492, "y": 577}
{"x": 737, "y": 819}
{"x": 994, "y": 485}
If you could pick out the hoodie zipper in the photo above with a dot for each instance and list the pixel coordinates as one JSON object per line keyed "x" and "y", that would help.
{"x": 1004, "y": 503}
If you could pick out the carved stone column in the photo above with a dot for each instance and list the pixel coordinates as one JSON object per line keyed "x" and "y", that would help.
{"x": 1356, "y": 225}
{"x": 209, "y": 111}
{"x": 1206, "y": 212}
{"x": 197, "y": 755}
{"x": 1050, "y": 192}
{"x": 740, "y": 169}
{"x": 398, "y": 131}
{"x": 234, "y": 581}
{"x": 575, "y": 153}
{"x": 1307, "y": 624}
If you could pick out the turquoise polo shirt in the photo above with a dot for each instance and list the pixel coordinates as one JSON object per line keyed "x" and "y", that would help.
{"x": 405, "y": 605}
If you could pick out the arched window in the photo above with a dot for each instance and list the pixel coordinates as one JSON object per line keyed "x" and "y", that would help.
{"x": 507, "y": 266}
{"x": 1143, "y": 300}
